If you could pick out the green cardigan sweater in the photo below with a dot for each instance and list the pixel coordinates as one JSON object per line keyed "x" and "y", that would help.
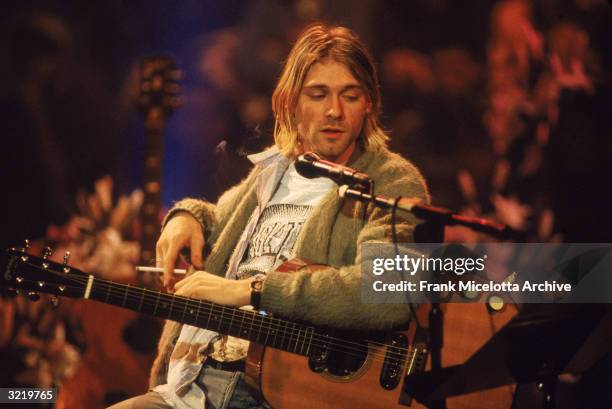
{"x": 332, "y": 236}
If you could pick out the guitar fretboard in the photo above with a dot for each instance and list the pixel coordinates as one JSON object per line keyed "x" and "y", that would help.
{"x": 253, "y": 326}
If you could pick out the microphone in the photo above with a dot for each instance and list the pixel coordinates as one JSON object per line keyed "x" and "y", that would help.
{"x": 310, "y": 165}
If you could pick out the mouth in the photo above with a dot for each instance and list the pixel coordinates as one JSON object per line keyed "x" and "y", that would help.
{"x": 331, "y": 131}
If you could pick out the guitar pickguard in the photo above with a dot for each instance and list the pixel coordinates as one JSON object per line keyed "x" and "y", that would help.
{"x": 336, "y": 362}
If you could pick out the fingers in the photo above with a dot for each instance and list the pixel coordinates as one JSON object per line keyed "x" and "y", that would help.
{"x": 159, "y": 254}
{"x": 168, "y": 263}
{"x": 197, "y": 244}
{"x": 193, "y": 286}
{"x": 182, "y": 232}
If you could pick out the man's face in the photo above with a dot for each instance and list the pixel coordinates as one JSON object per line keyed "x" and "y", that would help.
{"x": 330, "y": 111}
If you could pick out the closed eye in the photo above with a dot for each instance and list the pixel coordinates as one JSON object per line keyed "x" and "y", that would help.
{"x": 316, "y": 96}
{"x": 351, "y": 97}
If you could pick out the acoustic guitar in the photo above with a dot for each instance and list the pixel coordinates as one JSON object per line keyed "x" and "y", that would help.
{"x": 289, "y": 364}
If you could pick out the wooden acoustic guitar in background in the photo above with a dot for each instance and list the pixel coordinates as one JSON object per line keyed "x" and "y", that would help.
{"x": 291, "y": 364}
{"x": 121, "y": 344}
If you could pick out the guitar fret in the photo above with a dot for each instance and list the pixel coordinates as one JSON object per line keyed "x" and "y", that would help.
{"x": 258, "y": 318}
{"x": 171, "y": 305}
{"x": 209, "y": 315}
{"x": 267, "y": 331}
{"x": 310, "y": 342}
{"x": 190, "y": 303}
{"x": 229, "y": 325}
{"x": 125, "y": 293}
{"x": 142, "y": 293}
{"x": 156, "y": 302}
{"x": 287, "y": 336}
{"x": 283, "y": 335}
{"x": 242, "y": 324}
{"x": 198, "y": 310}
{"x": 108, "y": 288}
{"x": 184, "y": 310}
{"x": 297, "y": 339}
{"x": 220, "y": 319}
{"x": 275, "y": 332}
{"x": 304, "y": 341}
{"x": 252, "y": 315}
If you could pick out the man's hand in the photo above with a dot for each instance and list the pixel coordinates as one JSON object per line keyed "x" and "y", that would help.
{"x": 182, "y": 231}
{"x": 206, "y": 286}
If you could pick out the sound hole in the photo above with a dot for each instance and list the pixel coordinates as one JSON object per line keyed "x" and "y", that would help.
{"x": 346, "y": 357}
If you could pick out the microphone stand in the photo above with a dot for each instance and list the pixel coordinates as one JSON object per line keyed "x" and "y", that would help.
{"x": 437, "y": 215}
{"x": 441, "y": 217}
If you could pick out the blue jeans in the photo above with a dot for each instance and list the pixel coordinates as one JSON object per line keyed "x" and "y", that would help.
{"x": 226, "y": 390}
{"x": 223, "y": 389}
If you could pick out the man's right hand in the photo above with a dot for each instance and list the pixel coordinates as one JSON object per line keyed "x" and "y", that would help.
{"x": 182, "y": 231}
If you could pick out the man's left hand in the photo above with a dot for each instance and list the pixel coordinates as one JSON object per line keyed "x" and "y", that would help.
{"x": 206, "y": 286}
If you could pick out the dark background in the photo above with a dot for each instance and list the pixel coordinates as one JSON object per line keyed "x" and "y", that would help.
{"x": 462, "y": 82}
{"x": 503, "y": 105}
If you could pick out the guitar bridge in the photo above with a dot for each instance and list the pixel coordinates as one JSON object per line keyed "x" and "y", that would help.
{"x": 417, "y": 361}
{"x": 391, "y": 372}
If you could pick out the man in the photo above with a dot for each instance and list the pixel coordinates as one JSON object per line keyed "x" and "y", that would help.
{"x": 327, "y": 101}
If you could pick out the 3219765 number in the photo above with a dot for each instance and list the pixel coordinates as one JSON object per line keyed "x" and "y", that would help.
{"x": 27, "y": 395}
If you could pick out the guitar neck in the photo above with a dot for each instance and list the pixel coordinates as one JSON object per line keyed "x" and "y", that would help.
{"x": 152, "y": 177}
{"x": 253, "y": 326}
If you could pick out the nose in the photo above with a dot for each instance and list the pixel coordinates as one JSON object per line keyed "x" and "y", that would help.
{"x": 335, "y": 109}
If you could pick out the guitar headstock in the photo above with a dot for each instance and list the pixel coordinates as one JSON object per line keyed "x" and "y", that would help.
{"x": 25, "y": 273}
{"x": 159, "y": 87}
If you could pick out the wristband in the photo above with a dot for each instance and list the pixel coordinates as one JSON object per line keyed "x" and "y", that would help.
{"x": 256, "y": 289}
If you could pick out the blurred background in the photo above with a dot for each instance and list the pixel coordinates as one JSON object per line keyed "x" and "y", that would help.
{"x": 503, "y": 105}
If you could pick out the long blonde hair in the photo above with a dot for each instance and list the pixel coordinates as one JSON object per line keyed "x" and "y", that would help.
{"x": 314, "y": 44}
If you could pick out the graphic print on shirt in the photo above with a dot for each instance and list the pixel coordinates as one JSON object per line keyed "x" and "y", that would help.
{"x": 273, "y": 240}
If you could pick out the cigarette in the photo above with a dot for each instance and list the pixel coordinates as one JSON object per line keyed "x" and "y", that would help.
{"x": 145, "y": 269}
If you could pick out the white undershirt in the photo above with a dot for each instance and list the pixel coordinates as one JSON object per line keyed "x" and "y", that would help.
{"x": 274, "y": 237}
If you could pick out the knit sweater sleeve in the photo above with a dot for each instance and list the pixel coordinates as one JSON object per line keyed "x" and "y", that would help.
{"x": 332, "y": 296}
{"x": 212, "y": 217}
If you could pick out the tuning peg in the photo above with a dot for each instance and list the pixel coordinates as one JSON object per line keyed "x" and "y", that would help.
{"x": 24, "y": 249}
{"x": 66, "y": 258}
{"x": 33, "y": 295}
{"x": 54, "y": 301}
{"x": 47, "y": 251}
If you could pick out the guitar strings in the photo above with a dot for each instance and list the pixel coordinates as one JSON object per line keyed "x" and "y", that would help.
{"x": 287, "y": 332}
{"x": 281, "y": 326}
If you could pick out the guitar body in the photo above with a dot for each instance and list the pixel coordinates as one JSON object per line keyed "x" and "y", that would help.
{"x": 284, "y": 380}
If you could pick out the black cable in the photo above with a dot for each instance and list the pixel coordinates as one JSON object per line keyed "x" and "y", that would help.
{"x": 396, "y": 249}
